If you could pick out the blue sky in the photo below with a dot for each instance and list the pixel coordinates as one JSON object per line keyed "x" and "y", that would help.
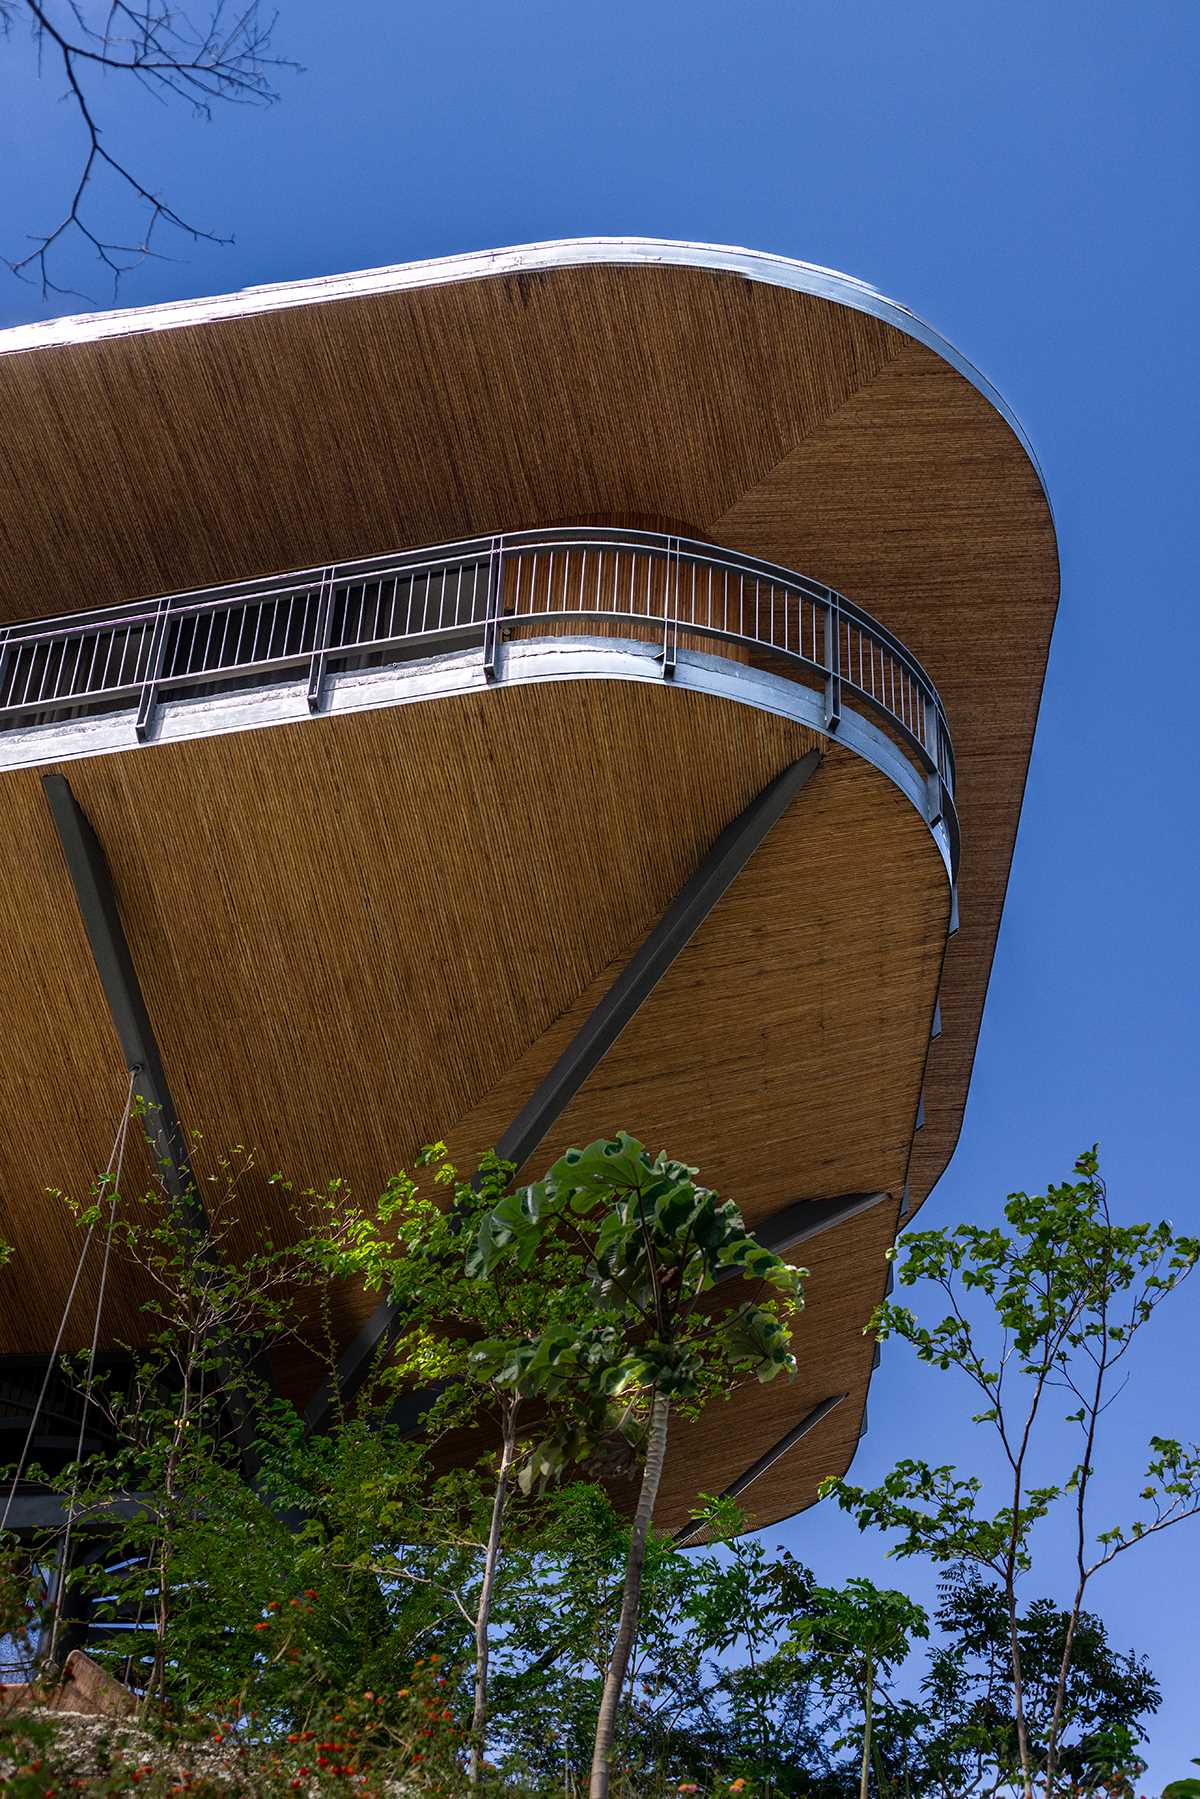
{"x": 1026, "y": 177}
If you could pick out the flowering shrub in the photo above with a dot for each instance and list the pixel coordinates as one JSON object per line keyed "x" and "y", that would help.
{"x": 368, "y": 1744}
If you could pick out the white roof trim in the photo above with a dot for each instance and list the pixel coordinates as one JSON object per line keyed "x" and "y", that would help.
{"x": 476, "y": 265}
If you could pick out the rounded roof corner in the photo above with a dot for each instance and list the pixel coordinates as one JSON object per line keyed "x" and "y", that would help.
{"x": 766, "y": 267}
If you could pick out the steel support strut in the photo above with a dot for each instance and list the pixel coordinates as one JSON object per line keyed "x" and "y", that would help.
{"x": 96, "y": 898}
{"x": 793, "y": 1225}
{"x": 768, "y": 1459}
{"x": 632, "y": 987}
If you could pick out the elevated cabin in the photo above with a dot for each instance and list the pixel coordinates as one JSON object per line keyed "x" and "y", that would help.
{"x": 511, "y": 698}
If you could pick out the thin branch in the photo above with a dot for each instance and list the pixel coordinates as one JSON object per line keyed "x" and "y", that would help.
{"x": 155, "y": 45}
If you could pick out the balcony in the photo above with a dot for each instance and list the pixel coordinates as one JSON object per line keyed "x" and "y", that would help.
{"x": 670, "y": 593}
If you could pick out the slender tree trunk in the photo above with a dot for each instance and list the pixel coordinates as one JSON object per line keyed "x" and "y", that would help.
{"x": 656, "y": 1449}
{"x": 881, "y": 1778}
{"x": 1081, "y": 1492}
{"x": 1060, "y": 1694}
{"x": 157, "y": 1682}
{"x": 1014, "y": 1644}
{"x": 484, "y": 1610}
{"x": 866, "y": 1754}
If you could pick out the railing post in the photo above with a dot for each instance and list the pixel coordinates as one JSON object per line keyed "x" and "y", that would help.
{"x": 491, "y": 622}
{"x": 935, "y": 802}
{"x": 316, "y": 668}
{"x": 670, "y": 649}
{"x": 148, "y": 698}
{"x": 833, "y": 663}
{"x": 4, "y": 636}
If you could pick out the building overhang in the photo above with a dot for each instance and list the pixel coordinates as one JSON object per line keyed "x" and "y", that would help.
{"x": 781, "y": 411}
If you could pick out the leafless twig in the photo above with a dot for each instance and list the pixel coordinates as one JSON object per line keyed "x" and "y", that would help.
{"x": 226, "y": 58}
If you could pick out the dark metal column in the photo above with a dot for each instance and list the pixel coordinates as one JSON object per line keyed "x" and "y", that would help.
{"x": 809, "y": 1217}
{"x": 636, "y": 981}
{"x": 769, "y": 1458}
{"x": 91, "y": 878}
{"x": 96, "y": 896}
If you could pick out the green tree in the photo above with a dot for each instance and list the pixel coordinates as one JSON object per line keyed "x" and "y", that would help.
{"x": 208, "y": 1526}
{"x": 967, "y": 1735}
{"x": 656, "y": 1242}
{"x": 1053, "y": 1305}
{"x": 417, "y": 1246}
{"x": 859, "y": 1634}
{"x": 709, "y": 1696}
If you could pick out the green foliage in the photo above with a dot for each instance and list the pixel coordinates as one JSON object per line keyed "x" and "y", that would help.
{"x": 1067, "y": 1291}
{"x": 315, "y": 1601}
{"x": 855, "y": 1637}
{"x": 857, "y": 1627}
{"x": 968, "y": 1733}
{"x": 1052, "y": 1305}
{"x": 653, "y": 1242}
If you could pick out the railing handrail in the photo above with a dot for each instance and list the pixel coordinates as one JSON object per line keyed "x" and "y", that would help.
{"x": 144, "y": 668}
{"x": 462, "y": 549}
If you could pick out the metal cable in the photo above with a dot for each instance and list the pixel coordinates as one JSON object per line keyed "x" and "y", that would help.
{"x": 116, "y": 1162}
{"x": 118, "y": 1144}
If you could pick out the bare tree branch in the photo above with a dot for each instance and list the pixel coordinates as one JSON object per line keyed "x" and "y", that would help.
{"x": 154, "y": 43}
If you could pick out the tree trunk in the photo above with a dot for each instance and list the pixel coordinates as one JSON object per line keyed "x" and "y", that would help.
{"x": 656, "y": 1449}
{"x": 1060, "y": 1692}
{"x": 484, "y": 1610}
{"x": 1014, "y": 1643}
{"x": 866, "y": 1754}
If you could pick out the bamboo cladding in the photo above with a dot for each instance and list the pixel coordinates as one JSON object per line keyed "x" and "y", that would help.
{"x": 162, "y": 460}
{"x": 781, "y": 424}
{"x": 337, "y": 972}
{"x": 362, "y": 932}
{"x": 353, "y": 929}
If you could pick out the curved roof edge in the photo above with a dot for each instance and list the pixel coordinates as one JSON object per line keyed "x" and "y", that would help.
{"x": 476, "y": 265}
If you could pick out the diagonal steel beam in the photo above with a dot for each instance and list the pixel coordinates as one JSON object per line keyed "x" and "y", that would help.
{"x": 650, "y": 962}
{"x": 96, "y": 898}
{"x": 768, "y": 1459}
{"x": 632, "y": 987}
{"x": 795, "y": 1224}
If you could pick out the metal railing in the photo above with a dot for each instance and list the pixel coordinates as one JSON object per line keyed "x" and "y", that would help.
{"x": 480, "y": 592}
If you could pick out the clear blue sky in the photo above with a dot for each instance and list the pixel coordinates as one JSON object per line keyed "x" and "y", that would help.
{"x": 1026, "y": 177}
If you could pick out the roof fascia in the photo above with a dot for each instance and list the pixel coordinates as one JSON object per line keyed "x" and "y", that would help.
{"x": 521, "y": 259}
